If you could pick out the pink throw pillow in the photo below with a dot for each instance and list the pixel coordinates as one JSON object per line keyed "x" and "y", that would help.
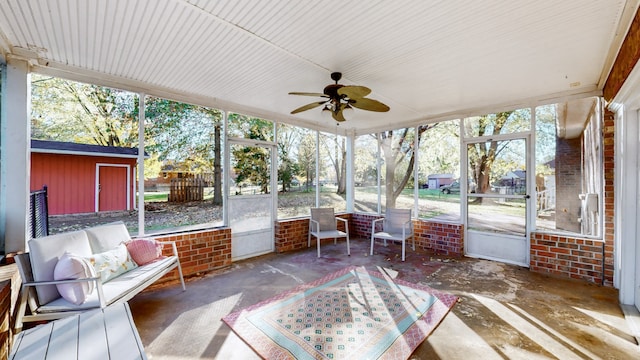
{"x": 69, "y": 267}
{"x": 144, "y": 251}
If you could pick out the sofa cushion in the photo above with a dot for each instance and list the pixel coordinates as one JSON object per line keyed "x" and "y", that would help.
{"x": 70, "y": 267}
{"x": 144, "y": 251}
{"x": 112, "y": 263}
{"x": 124, "y": 286}
{"x": 44, "y": 253}
{"x": 107, "y": 237}
{"x": 137, "y": 278}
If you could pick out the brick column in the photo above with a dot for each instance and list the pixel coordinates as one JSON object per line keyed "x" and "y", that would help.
{"x": 608, "y": 131}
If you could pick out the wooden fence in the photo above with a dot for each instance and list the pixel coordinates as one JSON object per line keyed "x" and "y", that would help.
{"x": 187, "y": 189}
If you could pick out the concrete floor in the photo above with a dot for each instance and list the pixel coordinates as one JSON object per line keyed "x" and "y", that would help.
{"x": 504, "y": 312}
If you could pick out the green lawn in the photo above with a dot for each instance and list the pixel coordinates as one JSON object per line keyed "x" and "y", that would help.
{"x": 156, "y": 196}
{"x": 163, "y": 196}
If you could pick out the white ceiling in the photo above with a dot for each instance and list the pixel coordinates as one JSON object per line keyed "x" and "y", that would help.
{"x": 427, "y": 60}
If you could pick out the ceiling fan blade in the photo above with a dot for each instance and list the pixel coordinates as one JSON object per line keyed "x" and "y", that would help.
{"x": 307, "y": 107}
{"x": 307, "y": 94}
{"x": 338, "y": 116}
{"x": 369, "y": 104}
{"x": 354, "y": 92}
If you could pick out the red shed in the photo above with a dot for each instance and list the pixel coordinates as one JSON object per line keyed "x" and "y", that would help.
{"x": 84, "y": 178}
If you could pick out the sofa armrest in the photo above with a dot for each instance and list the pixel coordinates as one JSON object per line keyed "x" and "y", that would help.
{"x": 56, "y": 282}
{"x": 175, "y": 253}
{"x": 173, "y": 246}
{"x": 97, "y": 280}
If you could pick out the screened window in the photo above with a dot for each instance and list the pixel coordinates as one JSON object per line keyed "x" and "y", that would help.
{"x": 247, "y": 127}
{"x": 569, "y": 168}
{"x": 438, "y": 168}
{"x": 182, "y": 178}
{"x": 366, "y": 174}
{"x": 184, "y": 168}
{"x": 397, "y": 161}
{"x": 77, "y": 117}
{"x": 296, "y": 171}
{"x": 507, "y": 122}
{"x": 331, "y": 180}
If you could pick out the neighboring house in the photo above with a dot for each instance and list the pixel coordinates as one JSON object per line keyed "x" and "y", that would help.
{"x": 84, "y": 178}
{"x": 514, "y": 178}
{"x": 436, "y": 181}
{"x": 171, "y": 173}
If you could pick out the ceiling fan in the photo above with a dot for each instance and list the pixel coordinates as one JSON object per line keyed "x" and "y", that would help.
{"x": 340, "y": 98}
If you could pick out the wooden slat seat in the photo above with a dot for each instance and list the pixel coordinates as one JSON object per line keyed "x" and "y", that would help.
{"x": 108, "y": 333}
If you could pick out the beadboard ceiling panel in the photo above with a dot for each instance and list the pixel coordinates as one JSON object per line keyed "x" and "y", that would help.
{"x": 428, "y": 60}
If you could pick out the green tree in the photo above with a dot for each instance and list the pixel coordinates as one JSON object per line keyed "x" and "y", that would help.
{"x": 482, "y": 156}
{"x": 398, "y": 153}
{"x": 187, "y": 135}
{"x": 179, "y": 133}
{"x": 288, "y": 168}
{"x": 307, "y": 159}
{"x": 64, "y": 110}
{"x": 252, "y": 163}
{"x": 440, "y": 150}
{"x": 333, "y": 149}
{"x": 366, "y": 153}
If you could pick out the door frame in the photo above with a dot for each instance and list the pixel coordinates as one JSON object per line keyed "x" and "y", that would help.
{"x": 97, "y": 184}
{"x": 272, "y": 147}
{"x": 471, "y": 235}
{"x": 626, "y": 105}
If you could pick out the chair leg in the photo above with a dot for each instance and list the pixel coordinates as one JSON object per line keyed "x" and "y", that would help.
{"x": 318, "y": 240}
{"x": 371, "y": 252}
{"x": 348, "y": 246}
{"x": 403, "y": 245}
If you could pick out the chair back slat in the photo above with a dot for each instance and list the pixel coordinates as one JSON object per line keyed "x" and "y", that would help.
{"x": 395, "y": 219}
{"x": 325, "y": 217}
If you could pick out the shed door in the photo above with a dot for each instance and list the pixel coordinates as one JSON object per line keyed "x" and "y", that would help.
{"x": 112, "y": 188}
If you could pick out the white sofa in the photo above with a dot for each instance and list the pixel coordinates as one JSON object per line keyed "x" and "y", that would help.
{"x": 40, "y": 291}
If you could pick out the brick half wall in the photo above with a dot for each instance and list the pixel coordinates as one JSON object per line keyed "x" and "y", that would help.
{"x": 564, "y": 256}
{"x": 199, "y": 251}
{"x": 292, "y": 234}
{"x": 438, "y": 237}
{"x": 441, "y": 238}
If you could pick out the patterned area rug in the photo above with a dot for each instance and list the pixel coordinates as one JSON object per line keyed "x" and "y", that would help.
{"x": 350, "y": 314}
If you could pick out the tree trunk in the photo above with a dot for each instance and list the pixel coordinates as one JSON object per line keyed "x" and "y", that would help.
{"x": 389, "y": 175}
{"x": 386, "y": 145}
{"x": 342, "y": 174}
{"x": 217, "y": 168}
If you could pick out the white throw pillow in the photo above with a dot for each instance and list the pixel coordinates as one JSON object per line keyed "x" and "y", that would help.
{"x": 69, "y": 267}
{"x": 112, "y": 263}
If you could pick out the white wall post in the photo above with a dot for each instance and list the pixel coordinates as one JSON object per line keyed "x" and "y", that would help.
{"x": 141, "y": 121}
{"x": 350, "y": 172}
{"x": 15, "y": 166}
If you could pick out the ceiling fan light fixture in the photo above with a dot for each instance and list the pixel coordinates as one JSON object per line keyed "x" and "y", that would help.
{"x": 326, "y": 111}
{"x": 347, "y": 111}
{"x": 341, "y": 99}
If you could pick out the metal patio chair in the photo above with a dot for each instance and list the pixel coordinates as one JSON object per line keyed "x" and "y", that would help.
{"x": 324, "y": 225}
{"x": 396, "y": 225}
